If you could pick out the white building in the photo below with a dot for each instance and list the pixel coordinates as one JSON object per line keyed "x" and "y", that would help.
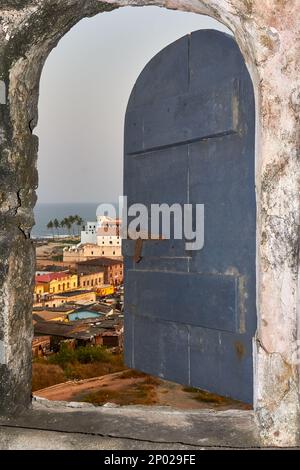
{"x": 89, "y": 234}
{"x": 104, "y": 234}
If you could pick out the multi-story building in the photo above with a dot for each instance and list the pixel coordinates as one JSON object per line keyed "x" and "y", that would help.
{"x": 76, "y": 296}
{"x": 110, "y": 244}
{"x": 54, "y": 283}
{"x": 91, "y": 280}
{"x": 113, "y": 269}
{"x": 89, "y": 233}
{"x": 104, "y": 234}
{"x": 88, "y": 251}
{"x": 108, "y": 236}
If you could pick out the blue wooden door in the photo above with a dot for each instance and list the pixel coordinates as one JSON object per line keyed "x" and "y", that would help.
{"x": 190, "y": 316}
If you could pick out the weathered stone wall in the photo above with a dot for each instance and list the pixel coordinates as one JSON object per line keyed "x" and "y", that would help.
{"x": 267, "y": 32}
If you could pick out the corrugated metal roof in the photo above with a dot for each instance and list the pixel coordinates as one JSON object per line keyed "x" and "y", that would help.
{"x": 74, "y": 330}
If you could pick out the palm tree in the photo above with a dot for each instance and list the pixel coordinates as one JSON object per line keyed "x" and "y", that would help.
{"x": 68, "y": 225}
{"x": 79, "y": 222}
{"x": 50, "y": 226}
{"x": 72, "y": 220}
{"x": 56, "y": 225}
{"x": 63, "y": 223}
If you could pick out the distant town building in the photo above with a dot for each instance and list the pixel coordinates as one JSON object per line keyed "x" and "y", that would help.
{"x": 55, "y": 300}
{"x": 94, "y": 311}
{"x": 113, "y": 269}
{"x": 108, "y": 236}
{"x": 106, "y": 289}
{"x": 88, "y": 234}
{"x": 48, "y": 315}
{"x": 97, "y": 331}
{"x": 104, "y": 234}
{"x": 54, "y": 283}
{"x": 91, "y": 280}
{"x": 40, "y": 346}
{"x": 88, "y": 251}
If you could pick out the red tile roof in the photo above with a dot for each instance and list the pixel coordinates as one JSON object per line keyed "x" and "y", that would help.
{"x": 50, "y": 277}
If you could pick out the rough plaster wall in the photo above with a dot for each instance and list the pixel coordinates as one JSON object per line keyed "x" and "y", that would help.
{"x": 267, "y": 32}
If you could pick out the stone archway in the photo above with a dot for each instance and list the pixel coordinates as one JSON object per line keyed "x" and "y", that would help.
{"x": 267, "y": 35}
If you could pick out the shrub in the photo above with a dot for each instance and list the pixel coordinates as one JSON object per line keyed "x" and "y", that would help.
{"x": 64, "y": 357}
{"x": 88, "y": 354}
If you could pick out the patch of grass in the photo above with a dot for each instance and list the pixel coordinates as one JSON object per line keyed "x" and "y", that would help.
{"x": 46, "y": 375}
{"x": 135, "y": 394}
{"x": 137, "y": 374}
{"x": 84, "y": 355}
{"x": 81, "y": 363}
{"x": 132, "y": 374}
{"x": 206, "y": 397}
{"x": 190, "y": 389}
{"x": 150, "y": 380}
{"x": 77, "y": 371}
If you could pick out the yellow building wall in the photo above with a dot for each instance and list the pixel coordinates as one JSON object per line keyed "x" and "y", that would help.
{"x": 105, "y": 290}
{"x": 57, "y": 286}
{"x": 64, "y": 284}
{"x": 40, "y": 289}
{"x": 90, "y": 281}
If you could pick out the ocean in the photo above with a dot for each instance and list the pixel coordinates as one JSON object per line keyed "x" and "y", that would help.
{"x": 44, "y": 212}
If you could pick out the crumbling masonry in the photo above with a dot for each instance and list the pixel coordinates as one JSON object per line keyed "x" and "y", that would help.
{"x": 267, "y": 32}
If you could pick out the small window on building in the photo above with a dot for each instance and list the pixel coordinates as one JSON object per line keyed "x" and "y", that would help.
{"x": 103, "y": 252}
{"x": 114, "y": 252}
{"x": 92, "y": 252}
{"x": 92, "y": 282}
{"x": 87, "y": 283}
{"x": 83, "y": 283}
{"x": 74, "y": 284}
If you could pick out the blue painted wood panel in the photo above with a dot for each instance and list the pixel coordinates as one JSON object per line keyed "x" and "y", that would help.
{"x": 209, "y": 300}
{"x": 190, "y": 316}
{"x": 183, "y": 118}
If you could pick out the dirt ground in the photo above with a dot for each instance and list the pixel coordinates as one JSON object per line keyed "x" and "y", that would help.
{"x": 114, "y": 387}
{"x": 47, "y": 250}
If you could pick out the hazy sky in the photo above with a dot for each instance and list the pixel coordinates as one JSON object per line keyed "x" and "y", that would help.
{"x": 85, "y": 86}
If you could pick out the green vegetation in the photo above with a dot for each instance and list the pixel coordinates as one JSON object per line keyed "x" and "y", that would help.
{"x": 50, "y": 227}
{"x": 206, "y": 397}
{"x": 83, "y": 354}
{"x": 141, "y": 393}
{"x": 74, "y": 364}
{"x": 69, "y": 222}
